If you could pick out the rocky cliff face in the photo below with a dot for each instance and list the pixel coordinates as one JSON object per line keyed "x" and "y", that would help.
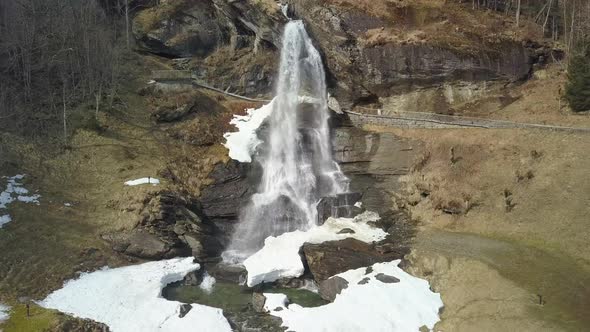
{"x": 228, "y": 44}
{"x": 374, "y": 54}
{"x": 380, "y": 52}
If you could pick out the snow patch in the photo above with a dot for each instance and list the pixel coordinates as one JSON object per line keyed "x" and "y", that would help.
{"x": 148, "y": 180}
{"x": 4, "y": 313}
{"x": 129, "y": 299}
{"x": 275, "y": 300}
{"x": 242, "y": 144}
{"x": 14, "y": 192}
{"x": 373, "y": 306}
{"x": 279, "y": 258}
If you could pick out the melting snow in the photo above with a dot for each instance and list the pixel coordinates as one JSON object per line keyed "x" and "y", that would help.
{"x": 129, "y": 299}
{"x": 148, "y": 180}
{"x": 4, "y": 313}
{"x": 14, "y": 192}
{"x": 373, "y": 306}
{"x": 279, "y": 258}
{"x": 242, "y": 144}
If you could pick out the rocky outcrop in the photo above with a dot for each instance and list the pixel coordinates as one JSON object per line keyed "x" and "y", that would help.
{"x": 373, "y": 54}
{"x": 169, "y": 226}
{"x": 330, "y": 258}
{"x": 331, "y": 287}
{"x": 231, "y": 189}
{"x": 180, "y": 28}
{"x": 228, "y": 44}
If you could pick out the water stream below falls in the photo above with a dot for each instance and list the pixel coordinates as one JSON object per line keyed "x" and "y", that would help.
{"x": 296, "y": 156}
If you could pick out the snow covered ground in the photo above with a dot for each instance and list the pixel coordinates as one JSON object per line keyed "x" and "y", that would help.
{"x": 279, "y": 258}
{"x": 4, "y": 313}
{"x": 148, "y": 180}
{"x": 129, "y": 299}
{"x": 14, "y": 192}
{"x": 372, "y": 305}
{"x": 242, "y": 144}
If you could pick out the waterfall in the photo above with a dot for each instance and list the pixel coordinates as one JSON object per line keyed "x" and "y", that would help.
{"x": 297, "y": 164}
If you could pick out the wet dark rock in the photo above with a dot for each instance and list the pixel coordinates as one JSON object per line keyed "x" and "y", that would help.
{"x": 224, "y": 272}
{"x": 202, "y": 246}
{"x": 230, "y": 190}
{"x": 364, "y": 281}
{"x": 331, "y": 287}
{"x": 193, "y": 278}
{"x": 339, "y": 206}
{"x": 346, "y": 231}
{"x": 258, "y": 301}
{"x": 387, "y": 279}
{"x": 184, "y": 310}
{"x": 330, "y": 258}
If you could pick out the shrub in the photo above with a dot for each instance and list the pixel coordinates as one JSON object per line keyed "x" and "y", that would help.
{"x": 577, "y": 91}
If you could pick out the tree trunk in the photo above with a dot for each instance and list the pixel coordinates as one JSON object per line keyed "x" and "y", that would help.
{"x": 518, "y": 13}
{"x": 547, "y": 17}
{"x": 127, "y": 22}
{"x": 64, "y": 113}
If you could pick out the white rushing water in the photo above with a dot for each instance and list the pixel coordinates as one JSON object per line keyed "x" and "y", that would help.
{"x": 297, "y": 164}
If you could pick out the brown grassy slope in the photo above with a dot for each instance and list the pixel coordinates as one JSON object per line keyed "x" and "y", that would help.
{"x": 529, "y": 186}
{"x": 446, "y": 24}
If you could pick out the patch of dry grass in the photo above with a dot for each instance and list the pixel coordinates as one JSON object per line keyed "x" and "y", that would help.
{"x": 528, "y": 186}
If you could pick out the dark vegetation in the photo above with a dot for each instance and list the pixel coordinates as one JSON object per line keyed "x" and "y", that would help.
{"x": 56, "y": 55}
{"x": 577, "y": 90}
{"x": 65, "y": 60}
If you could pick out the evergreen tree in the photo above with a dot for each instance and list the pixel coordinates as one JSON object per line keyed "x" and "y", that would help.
{"x": 577, "y": 90}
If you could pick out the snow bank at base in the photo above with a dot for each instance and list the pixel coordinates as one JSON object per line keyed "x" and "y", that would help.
{"x": 373, "y": 306}
{"x": 4, "y": 313}
{"x": 148, "y": 180}
{"x": 243, "y": 143}
{"x": 279, "y": 258}
{"x": 129, "y": 299}
{"x": 14, "y": 192}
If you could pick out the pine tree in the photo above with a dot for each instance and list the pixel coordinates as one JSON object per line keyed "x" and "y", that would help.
{"x": 577, "y": 90}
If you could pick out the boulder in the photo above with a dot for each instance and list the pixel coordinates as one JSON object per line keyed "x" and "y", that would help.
{"x": 331, "y": 287}
{"x": 139, "y": 243}
{"x": 145, "y": 245}
{"x": 184, "y": 309}
{"x": 330, "y": 258}
{"x": 384, "y": 278}
{"x": 258, "y": 301}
